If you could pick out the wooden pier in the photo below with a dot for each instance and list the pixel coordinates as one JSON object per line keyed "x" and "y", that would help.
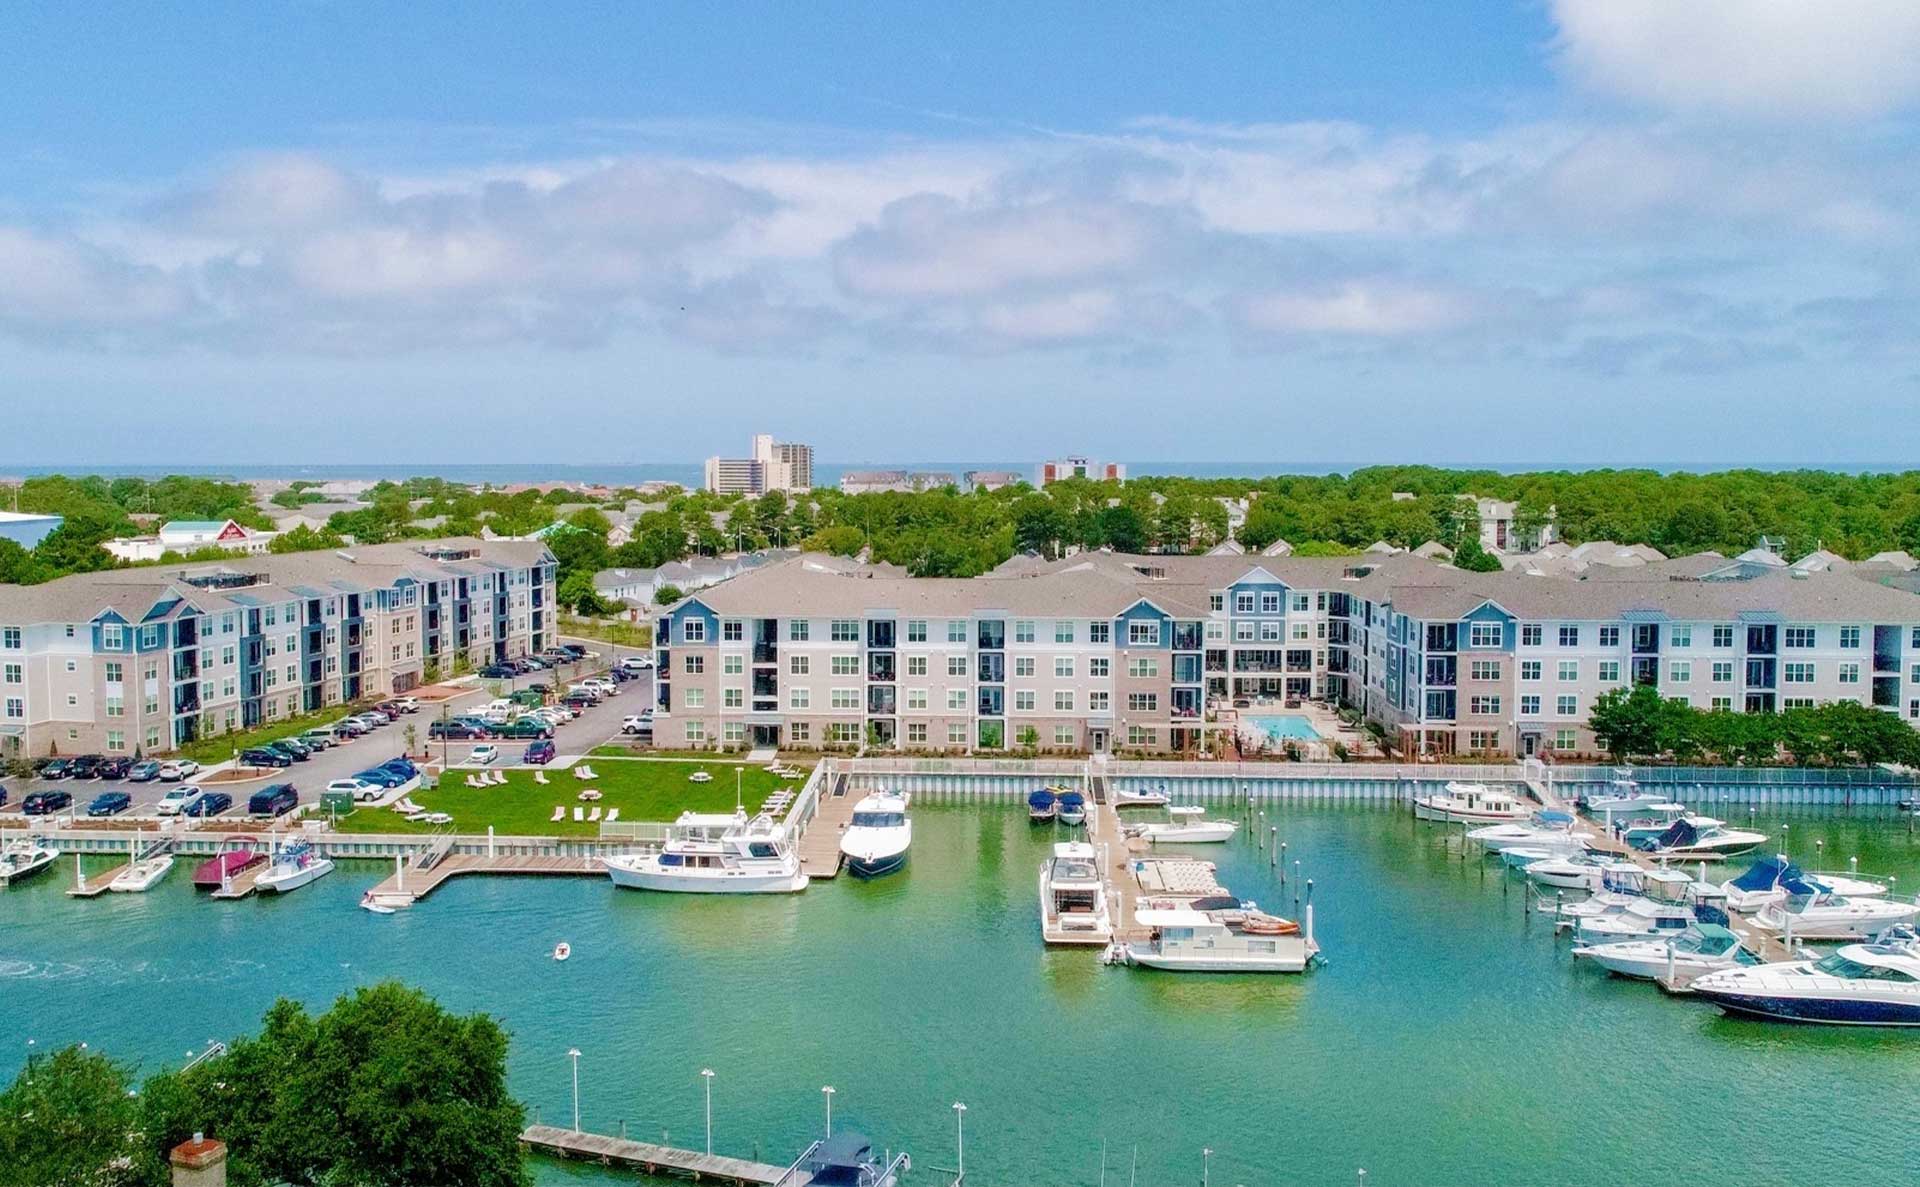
{"x": 820, "y": 845}
{"x": 243, "y": 883}
{"x": 405, "y": 888}
{"x": 94, "y": 887}
{"x": 656, "y": 1160}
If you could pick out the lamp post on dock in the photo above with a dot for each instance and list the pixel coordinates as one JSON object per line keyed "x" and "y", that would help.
{"x": 1206, "y": 1164}
{"x": 706, "y": 1074}
{"x": 573, "y": 1053}
{"x": 959, "y": 1141}
{"x": 826, "y": 1090}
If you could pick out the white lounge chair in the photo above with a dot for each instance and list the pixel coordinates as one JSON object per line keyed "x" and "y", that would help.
{"x": 586, "y": 772}
{"x": 593, "y": 817}
{"x": 613, "y": 814}
{"x": 499, "y": 778}
{"x": 540, "y": 777}
{"x": 559, "y": 814}
{"x": 579, "y": 813}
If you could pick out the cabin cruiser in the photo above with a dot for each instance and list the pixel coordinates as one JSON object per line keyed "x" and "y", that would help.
{"x": 1701, "y": 948}
{"x": 1625, "y": 884}
{"x": 1042, "y": 806}
{"x": 1695, "y": 837}
{"x": 1072, "y": 808}
{"x": 1808, "y": 914}
{"x": 876, "y": 840}
{"x": 1649, "y": 822}
{"x": 1182, "y": 939}
{"x": 1474, "y": 802}
{"x": 1639, "y": 919}
{"x": 1185, "y": 826}
{"x": 1073, "y": 897}
{"x": 1140, "y": 798}
{"x": 293, "y": 867}
{"x": 239, "y": 857}
{"x": 1581, "y": 871}
{"x": 1859, "y": 985}
{"x": 24, "y": 859}
{"x": 1767, "y": 880}
{"x": 1622, "y": 798}
{"x": 712, "y": 853}
{"x": 1549, "y": 829}
{"x": 847, "y": 1159}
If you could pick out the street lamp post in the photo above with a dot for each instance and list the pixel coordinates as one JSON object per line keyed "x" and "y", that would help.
{"x": 826, "y": 1090}
{"x": 1206, "y": 1164}
{"x": 573, "y": 1053}
{"x": 706, "y": 1074}
{"x": 959, "y": 1140}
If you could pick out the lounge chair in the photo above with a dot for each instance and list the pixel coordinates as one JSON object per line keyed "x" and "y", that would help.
{"x": 593, "y": 817}
{"x": 499, "y": 778}
{"x": 586, "y": 772}
{"x": 613, "y": 814}
{"x": 579, "y": 813}
{"x": 540, "y": 777}
{"x": 559, "y": 814}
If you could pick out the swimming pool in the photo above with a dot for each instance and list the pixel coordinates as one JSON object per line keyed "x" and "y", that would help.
{"x": 1285, "y": 726}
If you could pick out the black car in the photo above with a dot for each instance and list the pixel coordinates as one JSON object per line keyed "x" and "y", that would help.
{"x": 497, "y": 672}
{"x": 210, "y": 803}
{"x": 457, "y": 731}
{"x": 275, "y": 800}
{"x": 43, "y": 803}
{"x": 87, "y": 766}
{"x": 115, "y": 768}
{"x": 260, "y": 756}
{"x": 110, "y": 803}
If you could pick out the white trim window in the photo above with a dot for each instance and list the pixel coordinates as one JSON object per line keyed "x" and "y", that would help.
{"x": 1485, "y": 634}
{"x": 1143, "y": 632}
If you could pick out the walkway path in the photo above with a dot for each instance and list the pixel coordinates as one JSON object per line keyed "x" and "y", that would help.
{"x": 655, "y": 1160}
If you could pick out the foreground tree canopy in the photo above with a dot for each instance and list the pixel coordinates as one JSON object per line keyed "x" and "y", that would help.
{"x": 1642, "y": 724}
{"x": 386, "y": 1088}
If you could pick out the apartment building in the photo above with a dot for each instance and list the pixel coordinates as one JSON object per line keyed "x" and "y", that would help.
{"x": 147, "y": 659}
{"x": 1061, "y": 469}
{"x": 1102, "y": 652}
{"x": 772, "y": 465}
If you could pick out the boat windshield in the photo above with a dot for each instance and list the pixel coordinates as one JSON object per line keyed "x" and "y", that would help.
{"x": 879, "y": 819}
{"x": 1838, "y": 965}
{"x": 1074, "y": 869}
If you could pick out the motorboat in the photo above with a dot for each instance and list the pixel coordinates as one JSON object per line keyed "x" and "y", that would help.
{"x": 1042, "y": 806}
{"x": 1073, "y": 897}
{"x": 292, "y": 867}
{"x": 1471, "y": 802}
{"x": 141, "y": 873}
{"x": 1624, "y": 884}
{"x": 1858, "y": 985}
{"x": 1182, "y": 939}
{"x": 239, "y": 856}
{"x": 1766, "y": 882}
{"x": 23, "y": 859}
{"x": 1581, "y": 871}
{"x": 847, "y": 1159}
{"x": 562, "y": 950}
{"x": 1549, "y": 828}
{"x": 1699, "y": 837}
{"x": 711, "y": 853}
{"x": 1808, "y": 914}
{"x": 1699, "y": 949}
{"x": 1185, "y": 825}
{"x": 1072, "y": 807}
{"x": 1650, "y": 822}
{"x": 1622, "y": 798}
{"x": 1639, "y": 919}
{"x": 1140, "y": 798}
{"x": 1519, "y": 857}
{"x": 875, "y": 841}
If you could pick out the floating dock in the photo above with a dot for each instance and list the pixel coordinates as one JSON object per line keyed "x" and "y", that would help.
{"x": 656, "y": 1160}
{"x": 820, "y": 844}
{"x": 407, "y": 887}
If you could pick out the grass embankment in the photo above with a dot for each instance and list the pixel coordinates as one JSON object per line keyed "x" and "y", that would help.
{"x": 222, "y": 747}
{"x": 623, "y": 634}
{"x": 643, "y": 791}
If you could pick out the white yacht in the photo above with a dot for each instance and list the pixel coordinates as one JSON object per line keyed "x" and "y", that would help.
{"x": 876, "y": 840}
{"x": 293, "y": 867}
{"x": 1771, "y": 879}
{"x": 1142, "y": 797}
{"x": 142, "y": 874}
{"x": 1700, "y": 949}
{"x": 1649, "y": 822}
{"x": 24, "y": 859}
{"x": 1181, "y": 939}
{"x": 712, "y": 853}
{"x": 1548, "y": 829}
{"x": 1823, "y": 916}
{"x": 1473, "y": 802}
{"x": 1859, "y": 985}
{"x": 1581, "y": 871}
{"x": 1186, "y": 825}
{"x": 1700, "y": 837}
{"x": 1638, "y": 920}
{"x": 1073, "y": 897}
{"x": 1622, "y": 798}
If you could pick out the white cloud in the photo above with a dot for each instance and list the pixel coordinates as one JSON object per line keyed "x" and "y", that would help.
{"x": 1385, "y": 309}
{"x": 1764, "y": 58}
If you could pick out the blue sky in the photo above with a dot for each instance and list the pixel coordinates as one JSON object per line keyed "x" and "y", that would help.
{"x": 1572, "y": 231}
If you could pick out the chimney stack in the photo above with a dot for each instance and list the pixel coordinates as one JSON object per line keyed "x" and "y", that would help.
{"x": 199, "y": 1162}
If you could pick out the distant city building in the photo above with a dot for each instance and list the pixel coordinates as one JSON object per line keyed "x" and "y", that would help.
{"x": 182, "y": 536}
{"x": 27, "y": 530}
{"x": 992, "y": 479}
{"x": 862, "y": 482}
{"x": 1079, "y": 467}
{"x": 1500, "y": 530}
{"x": 774, "y": 465}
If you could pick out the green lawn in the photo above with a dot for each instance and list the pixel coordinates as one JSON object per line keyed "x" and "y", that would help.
{"x": 643, "y": 791}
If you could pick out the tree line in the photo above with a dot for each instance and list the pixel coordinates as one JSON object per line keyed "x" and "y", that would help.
{"x": 1642, "y": 724}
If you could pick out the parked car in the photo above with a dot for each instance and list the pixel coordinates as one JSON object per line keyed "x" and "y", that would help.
{"x": 44, "y": 803}
{"x": 144, "y": 771}
{"x": 115, "y": 767}
{"x": 391, "y": 708}
{"x": 347, "y": 727}
{"x": 373, "y": 718}
{"x": 110, "y": 803}
{"x": 538, "y": 663}
{"x": 361, "y": 790}
{"x": 260, "y": 756}
{"x": 210, "y": 803}
{"x": 401, "y": 765}
{"x": 87, "y": 766}
{"x": 455, "y": 731}
{"x": 290, "y": 748}
{"x": 636, "y": 663}
{"x": 579, "y": 700}
{"x": 320, "y": 739}
{"x": 178, "y": 800}
{"x": 381, "y": 776}
{"x": 525, "y": 727}
{"x": 56, "y": 768}
{"x": 273, "y": 800}
{"x": 540, "y": 752}
{"x": 174, "y": 770}
{"x": 482, "y": 755}
{"x": 408, "y": 704}
{"x": 637, "y": 723}
{"x": 497, "y": 672}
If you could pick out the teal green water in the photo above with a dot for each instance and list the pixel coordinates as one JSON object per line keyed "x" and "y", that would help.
{"x": 1451, "y": 1040}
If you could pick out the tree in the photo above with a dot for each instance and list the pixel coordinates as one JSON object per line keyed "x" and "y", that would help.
{"x": 1627, "y": 722}
{"x": 667, "y": 595}
{"x": 578, "y": 594}
{"x": 68, "y": 1119}
{"x": 839, "y": 541}
{"x": 1473, "y": 558}
{"x": 305, "y": 539}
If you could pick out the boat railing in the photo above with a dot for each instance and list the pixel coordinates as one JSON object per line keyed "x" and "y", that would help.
{"x": 794, "y": 1175}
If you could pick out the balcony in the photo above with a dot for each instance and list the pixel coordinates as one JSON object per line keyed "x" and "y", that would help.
{"x": 186, "y": 665}
{"x": 1443, "y": 636}
{"x": 880, "y": 666}
{"x": 766, "y": 653}
{"x": 186, "y": 699}
{"x": 1187, "y": 636}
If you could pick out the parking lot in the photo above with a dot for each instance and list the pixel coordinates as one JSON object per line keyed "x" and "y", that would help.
{"x": 342, "y": 760}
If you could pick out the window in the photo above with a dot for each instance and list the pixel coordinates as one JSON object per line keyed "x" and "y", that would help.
{"x": 16, "y": 707}
{"x": 1216, "y": 602}
{"x": 695, "y": 664}
{"x": 1102, "y": 632}
{"x": 1243, "y": 602}
{"x": 1269, "y": 602}
{"x": 1023, "y": 700}
{"x": 696, "y": 731}
{"x": 1796, "y": 702}
{"x": 916, "y": 665}
{"x": 1098, "y": 666}
{"x": 1529, "y": 669}
{"x": 1569, "y": 669}
{"x": 846, "y": 665}
{"x": 1485, "y": 634}
{"x": 1063, "y": 630}
{"x": 1680, "y": 671}
{"x": 1143, "y": 633}
{"x": 956, "y": 665}
{"x": 1298, "y": 630}
{"x": 114, "y": 672}
{"x": 14, "y": 674}
{"x": 957, "y": 632}
{"x": 1062, "y": 701}
{"x": 1063, "y": 666}
{"x": 1530, "y": 634}
{"x": 1609, "y": 671}
{"x": 799, "y": 665}
{"x": 116, "y": 740}
{"x": 112, "y": 636}
{"x": 843, "y": 733}
{"x": 117, "y": 706}
{"x": 1098, "y": 702}
{"x": 694, "y": 630}
{"x": 1564, "y": 740}
{"x": 1723, "y": 636}
{"x": 1063, "y": 735}
{"x": 1530, "y": 705}
{"x": 1850, "y": 673}
{"x": 844, "y": 630}
{"x": 1796, "y": 673}
{"x": 1483, "y": 705}
{"x": 1143, "y": 702}
{"x": 797, "y": 630}
{"x": 956, "y": 733}
{"x": 733, "y": 665}
{"x": 1480, "y": 740}
{"x": 917, "y": 699}
{"x": 1023, "y": 665}
{"x": 917, "y": 732}
{"x": 916, "y": 630}
{"x": 1569, "y": 636}
{"x": 1484, "y": 669}
{"x": 1567, "y": 706}
{"x": 1023, "y": 631}
{"x": 696, "y": 698}
{"x": 1609, "y": 636}
{"x": 733, "y": 698}
{"x": 1141, "y": 669}
{"x": 957, "y": 698}
{"x": 1723, "y": 672}
{"x": 1243, "y": 631}
{"x": 1140, "y": 735}
{"x": 799, "y": 698}
{"x": 1797, "y": 636}
{"x": 1849, "y": 637}
{"x": 846, "y": 698}
{"x": 1680, "y": 636}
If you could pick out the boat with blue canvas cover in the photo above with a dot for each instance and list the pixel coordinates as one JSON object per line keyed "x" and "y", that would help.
{"x": 1042, "y": 806}
{"x": 1765, "y": 883}
{"x": 1859, "y": 985}
{"x": 1693, "y": 838}
{"x": 847, "y": 1159}
{"x": 1072, "y": 807}
{"x": 876, "y": 840}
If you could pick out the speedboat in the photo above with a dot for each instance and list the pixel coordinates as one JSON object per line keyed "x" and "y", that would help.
{"x": 293, "y": 867}
{"x": 1550, "y": 829}
{"x": 1766, "y": 881}
{"x": 1639, "y": 919}
{"x": 1623, "y": 797}
{"x": 1072, "y": 808}
{"x": 1139, "y": 798}
{"x": 1700, "y": 837}
{"x": 876, "y": 840}
{"x": 713, "y": 853}
{"x": 1185, "y": 826}
{"x": 847, "y": 1159}
{"x": 142, "y": 875}
{"x": 24, "y": 859}
{"x": 239, "y": 857}
{"x": 1473, "y": 802}
{"x": 1073, "y": 897}
{"x": 1701, "y": 948}
{"x": 1809, "y": 914}
{"x": 1859, "y": 985}
{"x": 1581, "y": 871}
{"x": 1649, "y": 822}
{"x": 562, "y": 950}
{"x": 1181, "y": 939}
{"x": 1042, "y": 806}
